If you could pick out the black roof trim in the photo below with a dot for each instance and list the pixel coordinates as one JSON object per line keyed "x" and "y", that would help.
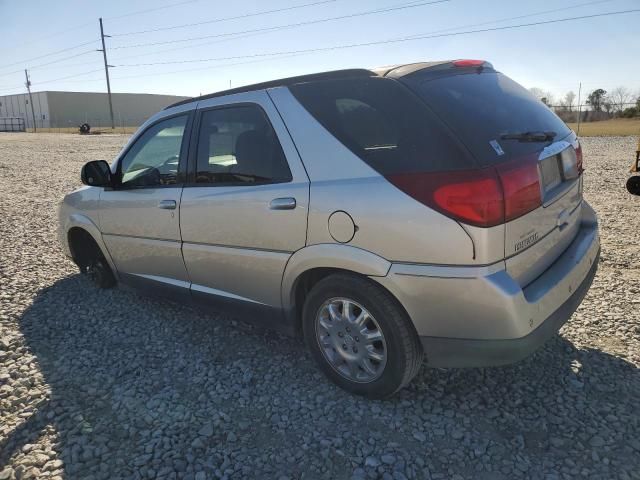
{"x": 391, "y": 71}
{"x": 283, "y": 82}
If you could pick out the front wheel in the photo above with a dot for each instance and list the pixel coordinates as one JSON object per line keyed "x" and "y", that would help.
{"x": 360, "y": 336}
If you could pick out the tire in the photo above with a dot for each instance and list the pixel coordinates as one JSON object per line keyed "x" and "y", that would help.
{"x": 399, "y": 347}
{"x": 633, "y": 185}
{"x": 97, "y": 270}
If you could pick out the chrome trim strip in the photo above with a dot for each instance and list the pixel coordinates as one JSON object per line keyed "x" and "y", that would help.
{"x": 185, "y": 244}
{"x": 170, "y": 240}
{"x": 222, "y": 293}
{"x": 446, "y": 271}
{"x": 217, "y": 245}
{"x": 553, "y": 149}
{"x": 167, "y": 280}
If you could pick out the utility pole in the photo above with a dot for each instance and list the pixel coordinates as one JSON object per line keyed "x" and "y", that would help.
{"x": 579, "y": 107}
{"x": 106, "y": 71}
{"x": 33, "y": 113}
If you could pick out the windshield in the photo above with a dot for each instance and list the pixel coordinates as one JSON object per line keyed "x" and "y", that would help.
{"x": 482, "y": 108}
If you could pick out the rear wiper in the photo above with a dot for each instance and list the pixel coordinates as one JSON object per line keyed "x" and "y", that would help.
{"x": 529, "y": 136}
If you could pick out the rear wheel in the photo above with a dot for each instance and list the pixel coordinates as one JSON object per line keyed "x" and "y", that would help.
{"x": 359, "y": 335}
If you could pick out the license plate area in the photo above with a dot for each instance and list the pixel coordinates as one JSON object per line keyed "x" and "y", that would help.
{"x": 558, "y": 171}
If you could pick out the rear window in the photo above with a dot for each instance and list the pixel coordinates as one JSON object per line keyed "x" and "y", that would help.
{"x": 384, "y": 123}
{"x": 481, "y": 107}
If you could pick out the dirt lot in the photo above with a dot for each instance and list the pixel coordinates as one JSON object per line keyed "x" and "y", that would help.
{"x": 609, "y": 128}
{"x": 108, "y": 384}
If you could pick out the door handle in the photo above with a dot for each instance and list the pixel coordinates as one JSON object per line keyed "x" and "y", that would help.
{"x": 167, "y": 204}
{"x": 287, "y": 203}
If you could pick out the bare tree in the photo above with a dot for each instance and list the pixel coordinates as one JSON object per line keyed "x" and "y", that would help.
{"x": 619, "y": 98}
{"x": 548, "y": 99}
{"x": 537, "y": 92}
{"x": 545, "y": 97}
{"x": 569, "y": 98}
{"x": 608, "y": 106}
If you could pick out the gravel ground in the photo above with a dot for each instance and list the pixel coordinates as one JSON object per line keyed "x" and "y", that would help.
{"x": 108, "y": 384}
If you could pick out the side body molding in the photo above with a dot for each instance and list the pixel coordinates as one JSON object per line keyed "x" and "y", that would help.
{"x": 327, "y": 255}
{"x": 84, "y": 222}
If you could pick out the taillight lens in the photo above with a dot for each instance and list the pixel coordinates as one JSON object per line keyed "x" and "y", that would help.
{"x": 579, "y": 159}
{"x": 521, "y": 186}
{"x": 483, "y": 197}
{"x": 471, "y": 196}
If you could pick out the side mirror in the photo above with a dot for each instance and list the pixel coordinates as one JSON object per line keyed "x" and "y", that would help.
{"x": 96, "y": 174}
{"x": 633, "y": 185}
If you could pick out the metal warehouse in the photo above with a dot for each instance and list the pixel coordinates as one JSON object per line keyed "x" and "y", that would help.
{"x": 70, "y": 109}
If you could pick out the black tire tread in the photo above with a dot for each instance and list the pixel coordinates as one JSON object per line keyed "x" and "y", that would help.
{"x": 404, "y": 329}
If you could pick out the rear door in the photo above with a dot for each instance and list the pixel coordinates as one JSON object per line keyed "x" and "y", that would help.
{"x": 503, "y": 124}
{"x": 140, "y": 218}
{"x": 244, "y": 211}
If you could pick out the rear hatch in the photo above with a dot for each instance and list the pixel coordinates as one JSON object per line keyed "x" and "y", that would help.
{"x": 536, "y": 157}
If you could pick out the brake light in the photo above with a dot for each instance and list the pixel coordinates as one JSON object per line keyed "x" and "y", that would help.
{"x": 579, "y": 159}
{"x": 482, "y": 197}
{"x": 471, "y": 196}
{"x": 468, "y": 63}
{"x": 521, "y": 186}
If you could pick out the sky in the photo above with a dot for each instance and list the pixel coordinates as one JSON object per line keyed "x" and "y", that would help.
{"x": 601, "y": 52}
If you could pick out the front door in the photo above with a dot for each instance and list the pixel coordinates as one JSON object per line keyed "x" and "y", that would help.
{"x": 140, "y": 218}
{"x": 245, "y": 211}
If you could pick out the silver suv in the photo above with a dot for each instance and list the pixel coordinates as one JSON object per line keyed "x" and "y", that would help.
{"x": 426, "y": 211}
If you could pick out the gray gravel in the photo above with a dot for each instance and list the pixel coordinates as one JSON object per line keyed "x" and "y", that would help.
{"x": 108, "y": 384}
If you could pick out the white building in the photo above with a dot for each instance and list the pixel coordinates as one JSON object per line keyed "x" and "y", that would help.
{"x": 71, "y": 109}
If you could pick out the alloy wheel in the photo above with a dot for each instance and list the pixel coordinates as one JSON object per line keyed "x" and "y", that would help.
{"x": 351, "y": 340}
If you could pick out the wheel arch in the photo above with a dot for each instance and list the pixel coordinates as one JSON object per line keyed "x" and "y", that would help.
{"x": 78, "y": 230}
{"x": 308, "y": 266}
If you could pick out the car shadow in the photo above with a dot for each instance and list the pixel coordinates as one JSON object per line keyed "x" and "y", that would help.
{"x": 141, "y": 386}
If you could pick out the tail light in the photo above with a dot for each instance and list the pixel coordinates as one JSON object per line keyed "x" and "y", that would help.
{"x": 482, "y": 197}
{"x": 521, "y": 186}
{"x": 579, "y": 159}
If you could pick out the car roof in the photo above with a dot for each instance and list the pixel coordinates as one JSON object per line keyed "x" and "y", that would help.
{"x": 393, "y": 71}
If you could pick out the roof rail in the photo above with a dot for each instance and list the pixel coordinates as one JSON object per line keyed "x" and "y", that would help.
{"x": 332, "y": 75}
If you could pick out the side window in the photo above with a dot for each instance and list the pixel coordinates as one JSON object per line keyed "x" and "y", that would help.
{"x": 153, "y": 159}
{"x": 383, "y": 123}
{"x": 238, "y": 146}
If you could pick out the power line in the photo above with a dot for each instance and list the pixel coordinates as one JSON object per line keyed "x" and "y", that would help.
{"x": 53, "y": 80}
{"x": 527, "y": 15}
{"x": 182, "y": 70}
{"x": 149, "y": 10}
{"x": 52, "y": 62}
{"x": 83, "y": 25}
{"x": 289, "y": 25}
{"x": 68, "y": 76}
{"x": 381, "y": 42}
{"x": 431, "y": 32}
{"x": 86, "y": 24}
{"x": 58, "y": 33}
{"x": 224, "y": 19}
{"x": 268, "y": 56}
{"x": 49, "y": 54}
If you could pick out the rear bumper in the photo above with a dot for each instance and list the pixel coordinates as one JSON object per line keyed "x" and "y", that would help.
{"x": 480, "y": 316}
{"x": 462, "y": 352}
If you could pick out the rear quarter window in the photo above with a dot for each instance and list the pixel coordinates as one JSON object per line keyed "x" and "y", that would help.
{"x": 384, "y": 123}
